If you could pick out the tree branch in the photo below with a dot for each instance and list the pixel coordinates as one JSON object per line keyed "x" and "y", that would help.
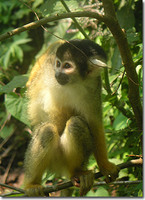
{"x": 68, "y": 184}
{"x": 121, "y": 40}
{"x": 54, "y": 188}
{"x": 50, "y": 19}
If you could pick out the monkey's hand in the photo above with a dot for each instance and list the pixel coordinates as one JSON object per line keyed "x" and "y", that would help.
{"x": 85, "y": 181}
{"x": 34, "y": 191}
{"x": 110, "y": 171}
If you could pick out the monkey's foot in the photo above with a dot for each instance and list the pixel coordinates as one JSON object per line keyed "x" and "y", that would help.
{"x": 84, "y": 181}
{"x": 34, "y": 191}
{"x": 110, "y": 171}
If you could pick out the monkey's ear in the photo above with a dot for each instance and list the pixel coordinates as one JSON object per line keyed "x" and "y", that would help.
{"x": 98, "y": 62}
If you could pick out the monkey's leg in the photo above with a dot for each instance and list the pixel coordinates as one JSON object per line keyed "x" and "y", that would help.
{"x": 38, "y": 155}
{"x": 76, "y": 143}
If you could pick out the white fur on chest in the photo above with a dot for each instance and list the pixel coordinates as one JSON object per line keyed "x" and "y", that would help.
{"x": 77, "y": 97}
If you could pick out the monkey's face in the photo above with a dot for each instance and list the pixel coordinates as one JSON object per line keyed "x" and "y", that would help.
{"x": 65, "y": 71}
{"x": 77, "y": 61}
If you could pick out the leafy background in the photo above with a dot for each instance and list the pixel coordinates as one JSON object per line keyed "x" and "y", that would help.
{"x": 17, "y": 56}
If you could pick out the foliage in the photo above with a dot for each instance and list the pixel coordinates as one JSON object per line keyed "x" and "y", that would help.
{"x": 18, "y": 54}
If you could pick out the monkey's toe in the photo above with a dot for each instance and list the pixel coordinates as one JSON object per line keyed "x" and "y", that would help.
{"x": 85, "y": 182}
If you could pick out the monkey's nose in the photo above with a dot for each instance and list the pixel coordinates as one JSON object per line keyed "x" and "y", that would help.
{"x": 61, "y": 78}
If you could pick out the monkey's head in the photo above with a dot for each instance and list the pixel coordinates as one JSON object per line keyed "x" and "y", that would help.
{"x": 78, "y": 59}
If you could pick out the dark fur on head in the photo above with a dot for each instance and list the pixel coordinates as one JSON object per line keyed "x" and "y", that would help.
{"x": 80, "y": 51}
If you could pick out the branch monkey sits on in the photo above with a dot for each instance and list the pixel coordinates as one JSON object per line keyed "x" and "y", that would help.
{"x": 65, "y": 110}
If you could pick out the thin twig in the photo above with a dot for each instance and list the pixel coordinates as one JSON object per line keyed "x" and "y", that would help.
{"x": 3, "y": 125}
{"x": 136, "y": 156}
{"x": 118, "y": 103}
{"x": 119, "y": 83}
{"x": 118, "y": 183}
{"x": 5, "y": 140}
{"x": 5, "y": 153}
{"x": 8, "y": 167}
{"x": 10, "y": 194}
{"x": 12, "y": 187}
{"x": 75, "y": 21}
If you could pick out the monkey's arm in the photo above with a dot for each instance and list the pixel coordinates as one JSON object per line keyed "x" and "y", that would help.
{"x": 107, "y": 168}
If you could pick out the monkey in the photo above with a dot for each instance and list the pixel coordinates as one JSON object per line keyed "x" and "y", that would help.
{"x": 65, "y": 111}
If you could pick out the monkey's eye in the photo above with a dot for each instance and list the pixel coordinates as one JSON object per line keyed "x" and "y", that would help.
{"x": 67, "y": 66}
{"x": 58, "y": 64}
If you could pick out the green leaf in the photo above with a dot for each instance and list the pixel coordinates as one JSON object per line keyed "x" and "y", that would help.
{"x": 17, "y": 81}
{"x": 101, "y": 192}
{"x": 120, "y": 122}
{"x": 54, "y": 6}
{"x": 116, "y": 60}
{"x": 7, "y": 57}
{"x": 17, "y": 106}
{"x": 139, "y": 55}
{"x": 15, "y": 51}
{"x": 132, "y": 35}
{"x": 126, "y": 17}
{"x": 51, "y": 6}
{"x": 18, "y": 53}
{"x": 19, "y": 41}
{"x": 37, "y": 3}
{"x": 7, "y": 131}
{"x": 140, "y": 193}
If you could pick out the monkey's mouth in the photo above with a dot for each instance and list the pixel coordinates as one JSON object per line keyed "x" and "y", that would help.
{"x": 61, "y": 78}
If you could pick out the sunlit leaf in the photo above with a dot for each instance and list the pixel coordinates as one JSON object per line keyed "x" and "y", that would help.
{"x": 17, "y": 81}
{"x": 17, "y": 106}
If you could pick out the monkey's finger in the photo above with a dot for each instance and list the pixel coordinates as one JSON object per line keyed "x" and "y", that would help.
{"x": 108, "y": 179}
{"x": 112, "y": 176}
{"x": 76, "y": 181}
